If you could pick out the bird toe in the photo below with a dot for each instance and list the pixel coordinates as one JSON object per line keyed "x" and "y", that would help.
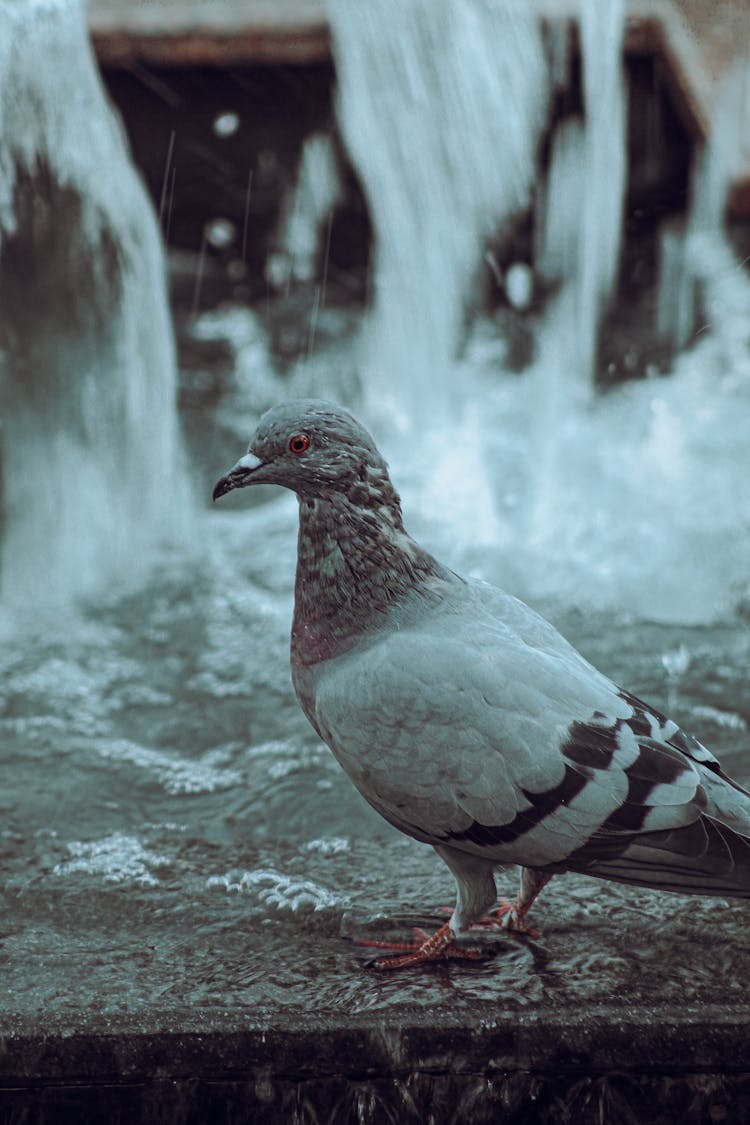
{"x": 425, "y": 948}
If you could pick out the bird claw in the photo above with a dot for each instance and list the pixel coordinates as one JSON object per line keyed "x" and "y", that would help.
{"x": 402, "y": 946}
{"x": 511, "y": 916}
{"x": 440, "y": 946}
{"x": 508, "y": 916}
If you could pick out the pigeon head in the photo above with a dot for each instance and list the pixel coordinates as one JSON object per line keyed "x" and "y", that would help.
{"x": 314, "y": 448}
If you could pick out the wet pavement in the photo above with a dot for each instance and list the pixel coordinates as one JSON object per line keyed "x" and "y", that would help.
{"x": 147, "y": 979}
{"x": 612, "y": 1015}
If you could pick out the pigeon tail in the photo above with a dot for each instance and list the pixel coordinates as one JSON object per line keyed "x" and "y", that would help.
{"x": 702, "y": 858}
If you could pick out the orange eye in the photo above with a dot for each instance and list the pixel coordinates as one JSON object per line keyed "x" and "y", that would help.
{"x": 299, "y": 443}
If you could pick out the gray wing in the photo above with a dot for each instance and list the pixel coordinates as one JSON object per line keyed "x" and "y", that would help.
{"x": 683, "y": 825}
{"x": 501, "y": 740}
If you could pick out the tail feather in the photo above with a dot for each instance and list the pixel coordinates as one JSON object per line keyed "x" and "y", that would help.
{"x": 728, "y": 802}
{"x": 702, "y": 858}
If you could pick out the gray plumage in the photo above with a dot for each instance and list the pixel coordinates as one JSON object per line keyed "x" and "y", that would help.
{"x": 462, "y": 716}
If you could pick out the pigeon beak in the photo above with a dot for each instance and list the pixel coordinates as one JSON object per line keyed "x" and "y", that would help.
{"x": 238, "y": 477}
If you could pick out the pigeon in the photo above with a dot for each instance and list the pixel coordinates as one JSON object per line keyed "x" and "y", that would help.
{"x": 464, "y": 718}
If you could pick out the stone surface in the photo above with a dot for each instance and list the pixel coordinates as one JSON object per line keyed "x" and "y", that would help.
{"x": 532, "y": 1067}
{"x": 629, "y": 1007}
{"x": 188, "y": 32}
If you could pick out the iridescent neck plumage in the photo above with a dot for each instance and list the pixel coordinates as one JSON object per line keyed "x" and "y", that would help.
{"x": 355, "y": 563}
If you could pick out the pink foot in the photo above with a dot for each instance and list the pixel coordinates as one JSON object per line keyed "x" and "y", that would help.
{"x": 441, "y": 946}
{"x": 512, "y": 916}
{"x": 508, "y": 916}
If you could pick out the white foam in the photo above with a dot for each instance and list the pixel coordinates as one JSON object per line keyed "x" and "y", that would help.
{"x": 284, "y": 894}
{"x": 207, "y": 774}
{"x": 117, "y": 858}
{"x": 328, "y": 845}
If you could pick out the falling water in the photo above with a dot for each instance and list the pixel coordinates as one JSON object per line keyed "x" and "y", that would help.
{"x": 596, "y": 501}
{"x": 309, "y": 205}
{"x": 579, "y": 246}
{"x": 90, "y": 457}
{"x": 581, "y": 207}
{"x": 441, "y": 105}
{"x": 602, "y": 28}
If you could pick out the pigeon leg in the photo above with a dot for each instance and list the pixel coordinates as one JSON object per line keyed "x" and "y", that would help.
{"x": 440, "y": 946}
{"x": 512, "y": 915}
{"x": 475, "y": 884}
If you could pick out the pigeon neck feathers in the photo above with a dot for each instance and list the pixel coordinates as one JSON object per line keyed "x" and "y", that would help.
{"x": 355, "y": 565}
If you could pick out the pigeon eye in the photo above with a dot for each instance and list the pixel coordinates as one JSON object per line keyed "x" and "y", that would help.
{"x": 299, "y": 443}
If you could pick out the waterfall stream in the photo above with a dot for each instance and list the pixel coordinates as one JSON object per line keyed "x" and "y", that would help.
{"x": 91, "y": 462}
{"x": 446, "y": 153}
{"x": 537, "y": 481}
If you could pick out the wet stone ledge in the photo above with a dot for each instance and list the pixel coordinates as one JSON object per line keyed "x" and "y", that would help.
{"x": 629, "y": 1008}
{"x": 587, "y": 1066}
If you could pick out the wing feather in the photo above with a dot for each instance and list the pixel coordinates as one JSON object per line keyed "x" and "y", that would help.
{"x": 502, "y": 741}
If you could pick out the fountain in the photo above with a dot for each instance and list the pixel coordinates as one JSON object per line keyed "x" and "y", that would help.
{"x": 307, "y": 212}
{"x": 550, "y": 474}
{"x": 183, "y": 861}
{"x": 443, "y": 166}
{"x": 89, "y": 442}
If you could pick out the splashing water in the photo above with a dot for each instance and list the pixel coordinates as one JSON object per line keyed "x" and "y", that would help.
{"x": 90, "y": 452}
{"x": 551, "y": 490}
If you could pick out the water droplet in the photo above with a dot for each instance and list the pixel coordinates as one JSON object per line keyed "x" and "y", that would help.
{"x": 226, "y": 124}
{"x": 676, "y": 661}
{"x": 220, "y": 233}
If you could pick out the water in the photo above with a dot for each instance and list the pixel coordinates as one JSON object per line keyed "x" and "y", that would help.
{"x": 602, "y": 30}
{"x": 90, "y": 452}
{"x": 310, "y": 204}
{"x": 580, "y": 227}
{"x": 172, "y": 832}
{"x": 437, "y": 185}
